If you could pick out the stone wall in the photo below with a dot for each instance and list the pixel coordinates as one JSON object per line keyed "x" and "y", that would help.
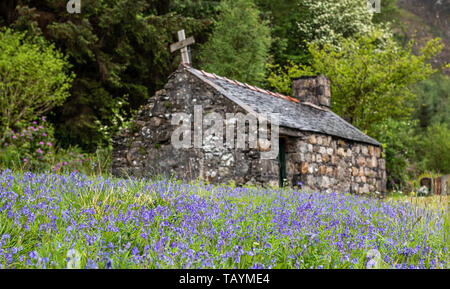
{"x": 323, "y": 162}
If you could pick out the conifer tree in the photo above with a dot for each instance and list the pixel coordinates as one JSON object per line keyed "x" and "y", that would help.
{"x": 240, "y": 42}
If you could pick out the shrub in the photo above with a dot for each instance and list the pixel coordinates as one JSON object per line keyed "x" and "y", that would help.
{"x": 33, "y": 78}
{"x": 30, "y": 146}
{"x": 399, "y": 142}
{"x": 74, "y": 160}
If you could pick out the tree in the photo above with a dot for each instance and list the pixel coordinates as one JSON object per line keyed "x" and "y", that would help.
{"x": 432, "y": 102}
{"x": 434, "y": 148}
{"x": 295, "y": 23}
{"x": 328, "y": 21}
{"x": 120, "y": 53}
{"x": 239, "y": 45}
{"x": 283, "y": 16}
{"x": 399, "y": 141}
{"x": 369, "y": 84}
{"x": 34, "y": 78}
{"x": 199, "y": 9}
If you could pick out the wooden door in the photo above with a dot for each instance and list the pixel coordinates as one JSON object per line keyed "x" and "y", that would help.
{"x": 437, "y": 186}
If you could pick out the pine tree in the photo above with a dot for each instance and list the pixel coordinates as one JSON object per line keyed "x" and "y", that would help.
{"x": 239, "y": 45}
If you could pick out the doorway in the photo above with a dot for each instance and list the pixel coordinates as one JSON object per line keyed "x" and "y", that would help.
{"x": 282, "y": 162}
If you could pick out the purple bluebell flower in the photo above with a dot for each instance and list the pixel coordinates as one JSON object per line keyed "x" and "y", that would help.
{"x": 33, "y": 255}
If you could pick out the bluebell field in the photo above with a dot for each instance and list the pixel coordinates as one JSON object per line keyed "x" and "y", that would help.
{"x": 75, "y": 221}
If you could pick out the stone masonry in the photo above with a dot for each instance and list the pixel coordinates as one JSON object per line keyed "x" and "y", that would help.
{"x": 323, "y": 162}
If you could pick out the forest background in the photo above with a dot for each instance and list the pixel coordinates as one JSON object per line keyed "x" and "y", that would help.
{"x": 70, "y": 81}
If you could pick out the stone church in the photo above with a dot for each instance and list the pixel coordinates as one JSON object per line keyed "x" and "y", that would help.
{"x": 317, "y": 149}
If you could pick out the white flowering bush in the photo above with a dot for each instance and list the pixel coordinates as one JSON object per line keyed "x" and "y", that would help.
{"x": 327, "y": 21}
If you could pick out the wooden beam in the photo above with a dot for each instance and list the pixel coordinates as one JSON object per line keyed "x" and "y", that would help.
{"x": 182, "y": 44}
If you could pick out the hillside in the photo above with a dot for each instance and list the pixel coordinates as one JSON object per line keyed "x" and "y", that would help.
{"x": 427, "y": 19}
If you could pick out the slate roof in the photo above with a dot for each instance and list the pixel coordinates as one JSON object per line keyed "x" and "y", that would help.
{"x": 293, "y": 114}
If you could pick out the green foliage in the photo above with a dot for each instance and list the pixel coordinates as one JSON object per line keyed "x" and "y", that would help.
{"x": 34, "y": 78}
{"x": 195, "y": 8}
{"x": 372, "y": 84}
{"x": 434, "y": 148}
{"x": 294, "y": 24}
{"x": 410, "y": 150}
{"x": 390, "y": 13}
{"x": 283, "y": 16}
{"x": 280, "y": 78}
{"x": 120, "y": 53}
{"x": 399, "y": 142}
{"x": 29, "y": 146}
{"x": 75, "y": 160}
{"x": 327, "y": 22}
{"x": 369, "y": 83}
{"x": 239, "y": 45}
{"x": 432, "y": 102}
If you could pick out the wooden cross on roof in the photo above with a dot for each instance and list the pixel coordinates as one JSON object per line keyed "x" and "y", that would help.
{"x": 183, "y": 44}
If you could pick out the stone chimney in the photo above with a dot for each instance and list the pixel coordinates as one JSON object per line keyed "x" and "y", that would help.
{"x": 312, "y": 89}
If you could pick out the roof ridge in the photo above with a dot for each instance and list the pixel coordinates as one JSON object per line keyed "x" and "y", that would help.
{"x": 245, "y": 85}
{"x": 314, "y": 105}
